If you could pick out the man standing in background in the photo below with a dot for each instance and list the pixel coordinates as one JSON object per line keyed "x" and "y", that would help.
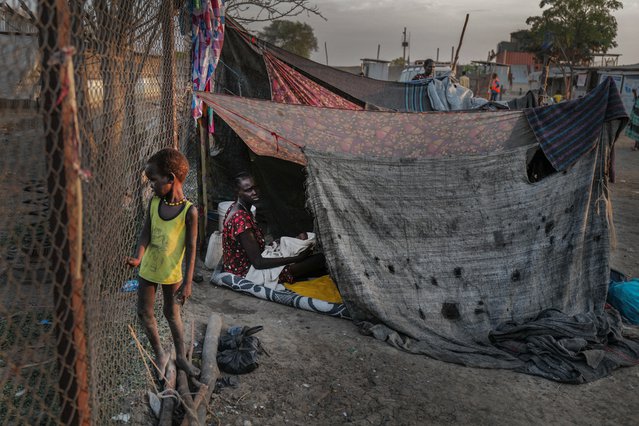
{"x": 429, "y": 67}
{"x": 464, "y": 80}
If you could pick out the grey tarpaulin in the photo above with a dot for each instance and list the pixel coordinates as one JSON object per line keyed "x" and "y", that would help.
{"x": 445, "y": 250}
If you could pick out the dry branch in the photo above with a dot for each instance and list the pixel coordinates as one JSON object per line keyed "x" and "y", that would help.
{"x": 168, "y": 404}
{"x": 210, "y": 371}
{"x": 185, "y": 393}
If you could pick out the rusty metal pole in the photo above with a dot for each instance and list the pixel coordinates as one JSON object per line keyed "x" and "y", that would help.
{"x": 168, "y": 72}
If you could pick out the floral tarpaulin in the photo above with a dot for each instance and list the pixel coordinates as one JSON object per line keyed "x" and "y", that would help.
{"x": 291, "y": 87}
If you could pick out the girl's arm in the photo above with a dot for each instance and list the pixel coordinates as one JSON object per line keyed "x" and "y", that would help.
{"x": 250, "y": 245}
{"x": 190, "y": 251}
{"x": 143, "y": 241}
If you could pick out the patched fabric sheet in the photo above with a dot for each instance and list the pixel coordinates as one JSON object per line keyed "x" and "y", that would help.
{"x": 444, "y": 250}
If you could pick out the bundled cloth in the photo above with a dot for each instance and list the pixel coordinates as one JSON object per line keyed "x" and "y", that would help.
{"x": 287, "y": 247}
{"x": 444, "y": 95}
{"x": 573, "y": 349}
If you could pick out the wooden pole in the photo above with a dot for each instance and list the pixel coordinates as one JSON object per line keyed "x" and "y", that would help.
{"x": 168, "y": 72}
{"x": 65, "y": 209}
{"x": 404, "y": 46}
{"x": 461, "y": 39}
{"x": 202, "y": 176}
{"x": 210, "y": 370}
{"x": 326, "y": 52}
{"x": 168, "y": 403}
{"x": 187, "y": 399}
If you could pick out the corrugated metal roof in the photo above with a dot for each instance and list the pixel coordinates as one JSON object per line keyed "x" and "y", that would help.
{"x": 516, "y": 58}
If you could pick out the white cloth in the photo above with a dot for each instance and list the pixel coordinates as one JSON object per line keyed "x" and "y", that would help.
{"x": 287, "y": 247}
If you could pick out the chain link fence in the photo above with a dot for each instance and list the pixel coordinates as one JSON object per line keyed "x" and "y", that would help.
{"x": 90, "y": 89}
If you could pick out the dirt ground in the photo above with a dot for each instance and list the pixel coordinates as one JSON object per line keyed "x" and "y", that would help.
{"x": 322, "y": 371}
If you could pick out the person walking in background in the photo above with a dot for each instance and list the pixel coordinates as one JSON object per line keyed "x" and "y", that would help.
{"x": 464, "y": 80}
{"x": 494, "y": 87}
{"x": 168, "y": 237}
{"x": 632, "y": 131}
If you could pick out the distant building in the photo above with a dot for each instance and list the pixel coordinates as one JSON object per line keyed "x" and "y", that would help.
{"x": 522, "y": 63}
{"x": 19, "y": 83}
{"x": 375, "y": 68}
{"x": 626, "y": 78}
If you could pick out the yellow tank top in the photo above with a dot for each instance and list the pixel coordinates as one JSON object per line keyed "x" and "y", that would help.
{"x": 162, "y": 260}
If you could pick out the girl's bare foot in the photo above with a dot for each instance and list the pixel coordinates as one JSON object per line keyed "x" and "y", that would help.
{"x": 184, "y": 365}
{"x": 161, "y": 362}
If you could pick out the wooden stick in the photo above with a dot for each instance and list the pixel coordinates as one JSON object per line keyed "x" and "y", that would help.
{"x": 210, "y": 371}
{"x": 189, "y": 351}
{"x": 191, "y": 417}
{"x": 168, "y": 404}
{"x": 169, "y": 112}
{"x": 199, "y": 397}
{"x": 461, "y": 38}
{"x": 202, "y": 175}
{"x": 144, "y": 355}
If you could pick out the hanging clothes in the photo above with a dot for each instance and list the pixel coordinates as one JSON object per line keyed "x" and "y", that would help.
{"x": 207, "y": 36}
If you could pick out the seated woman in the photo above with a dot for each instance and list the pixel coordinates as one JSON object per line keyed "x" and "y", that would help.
{"x": 243, "y": 241}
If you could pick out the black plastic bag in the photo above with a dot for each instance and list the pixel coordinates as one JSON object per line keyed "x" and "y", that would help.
{"x": 238, "y": 350}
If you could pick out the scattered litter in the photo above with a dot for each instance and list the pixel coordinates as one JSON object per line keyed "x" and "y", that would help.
{"x": 130, "y": 286}
{"x": 247, "y": 423}
{"x": 45, "y": 322}
{"x": 306, "y": 385}
{"x": 122, "y": 417}
{"x": 155, "y": 404}
{"x": 20, "y": 393}
{"x": 344, "y": 414}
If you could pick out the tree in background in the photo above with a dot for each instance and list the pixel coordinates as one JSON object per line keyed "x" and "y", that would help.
{"x": 296, "y": 37}
{"x": 246, "y": 11}
{"x": 569, "y": 32}
{"x": 398, "y": 61}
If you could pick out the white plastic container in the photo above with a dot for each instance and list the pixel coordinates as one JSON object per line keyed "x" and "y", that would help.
{"x": 222, "y": 208}
{"x": 214, "y": 251}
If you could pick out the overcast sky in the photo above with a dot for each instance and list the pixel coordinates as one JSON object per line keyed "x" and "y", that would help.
{"x": 354, "y": 28}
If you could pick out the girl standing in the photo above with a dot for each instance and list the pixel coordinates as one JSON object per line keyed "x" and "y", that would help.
{"x": 168, "y": 236}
